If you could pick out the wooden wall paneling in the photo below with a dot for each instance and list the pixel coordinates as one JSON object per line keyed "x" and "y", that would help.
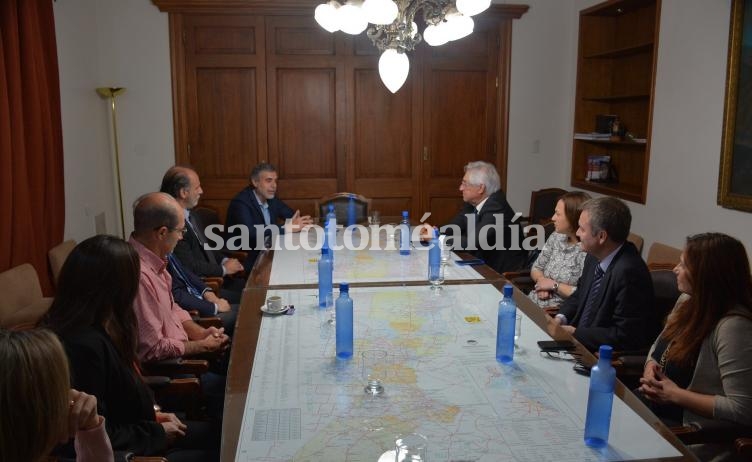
{"x": 225, "y": 95}
{"x": 460, "y": 111}
{"x": 305, "y": 106}
{"x": 380, "y": 137}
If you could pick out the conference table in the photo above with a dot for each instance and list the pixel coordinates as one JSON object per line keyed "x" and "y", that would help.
{"x": 289, "y": 398}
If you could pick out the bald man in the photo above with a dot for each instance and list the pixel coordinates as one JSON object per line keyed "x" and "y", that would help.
{"x": 164, "y": 329}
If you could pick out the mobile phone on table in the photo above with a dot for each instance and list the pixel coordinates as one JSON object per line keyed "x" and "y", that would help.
{"x": 474, "y": 261}
{"x": 556, "y": 345}
{"x": 581, "y": 368}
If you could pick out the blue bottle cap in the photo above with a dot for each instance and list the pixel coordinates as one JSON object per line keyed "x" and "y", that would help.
{"x": 508, "y": 290}
{"x": 331, "y": 207}
{"x": 344, "y": 287}
{"x": 404, "y": 214}
{"x": 605, "y": 352}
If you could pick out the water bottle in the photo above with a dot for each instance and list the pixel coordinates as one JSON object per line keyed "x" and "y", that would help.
{"x": 434, "y": 257}
{"x": 331, "y": 231}
{"x": 405, "y": 234}
{"x": 325, "y": 277}
{"x": 344, "y": 310}
{"x": 351, "y": 211}
{"x": 600, "y": 400}
{"x": 505, "y": 326}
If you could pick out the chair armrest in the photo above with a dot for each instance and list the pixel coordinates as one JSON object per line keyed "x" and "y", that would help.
{"x": 156, "y": 382}
{"x": 744, "y": 447}
{"x": 236, "y": 254}
{"x": 722, "y": 432}
{"x": 213, "y": 282}
{"x": 211, "y": 321}
{"x": 177, "y": 366}
{"x": 520, "y": 279}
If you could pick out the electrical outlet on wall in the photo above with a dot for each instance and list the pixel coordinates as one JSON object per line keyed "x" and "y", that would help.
{"x": 536, "y": 146}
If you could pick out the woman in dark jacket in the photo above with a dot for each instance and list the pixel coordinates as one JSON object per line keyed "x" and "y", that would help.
{"x": 93, "y": 316}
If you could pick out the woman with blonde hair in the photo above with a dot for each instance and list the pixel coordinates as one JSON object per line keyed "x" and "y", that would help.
{"x": 38, "y": 409}
{"x": 559, "y": 265}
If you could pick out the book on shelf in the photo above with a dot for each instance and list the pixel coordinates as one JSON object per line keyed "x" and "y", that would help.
{"x": 592, "y": 136}
{"x": 599, "y": 169}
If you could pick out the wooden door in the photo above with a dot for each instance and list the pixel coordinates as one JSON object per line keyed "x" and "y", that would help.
{"x": 224, "y": 102}
{"x": 306, "y": 101}
{"x": 460, "y": 106}
{"x": 383, "y": 135}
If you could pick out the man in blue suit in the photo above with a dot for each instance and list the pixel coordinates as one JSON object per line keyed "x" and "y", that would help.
{"x": 257, "y": 205}
{"x": 613, "y": 304}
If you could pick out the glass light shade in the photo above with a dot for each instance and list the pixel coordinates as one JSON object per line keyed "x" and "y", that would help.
{"x": 472, "y": 7}
{"x": 435, "y": 35}
{"x": 380, "y": 11}
{"x": 327, "y": 17}
{"x": 393, "y": 69}
{"x": 413, "y": 29}
{"x": 351, "y": 18}
{"x": 458, "y": 26}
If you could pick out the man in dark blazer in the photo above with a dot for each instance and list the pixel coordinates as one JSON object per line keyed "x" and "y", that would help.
{"x": 257, "y": 205}
{"x": 485, "y": 213}
{"x": 191, "y": 293}
{"x": 184, "y": 185}
{"x": 613, "y": 304}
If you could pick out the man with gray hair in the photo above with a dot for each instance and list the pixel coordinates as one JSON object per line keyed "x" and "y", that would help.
{"x": 613, "y": 304}
{"x": 486, "y": 221}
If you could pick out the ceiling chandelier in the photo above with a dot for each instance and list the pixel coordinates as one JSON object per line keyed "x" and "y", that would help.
{"x": 393, "y": 29}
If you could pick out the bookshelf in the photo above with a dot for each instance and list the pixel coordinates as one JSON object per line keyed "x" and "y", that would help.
{"x": 618, "y": 41}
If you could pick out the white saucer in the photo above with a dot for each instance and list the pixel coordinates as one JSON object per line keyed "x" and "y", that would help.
{"x": 267, "y": 311}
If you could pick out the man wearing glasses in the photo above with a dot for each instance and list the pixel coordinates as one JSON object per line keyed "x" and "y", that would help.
{"x": 164, "y": 329}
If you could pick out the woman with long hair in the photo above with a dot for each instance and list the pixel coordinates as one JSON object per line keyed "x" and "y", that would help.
{"x": 700, "y": 367}
{"x": 93, "y": 316}
{"x": 38, "y": 409}
{"x": 559, "y": 265}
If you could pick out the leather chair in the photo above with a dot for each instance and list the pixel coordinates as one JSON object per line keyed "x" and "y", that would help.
{"x": 57, "y": 256}
{"x": 22, "y": 303}
{"x": 637, "y": 240}
{"x": 341, "y": 202}
{"x": 542, "y": 205}
{"x": 662, "y": 256}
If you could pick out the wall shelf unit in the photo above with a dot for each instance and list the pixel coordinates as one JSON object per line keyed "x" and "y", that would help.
{"x": 618, "y": 40}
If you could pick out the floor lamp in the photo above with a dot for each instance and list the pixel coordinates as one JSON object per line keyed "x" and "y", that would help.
{"x": 111, "y": 93}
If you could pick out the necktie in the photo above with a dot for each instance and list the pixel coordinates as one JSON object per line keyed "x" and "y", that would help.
{"x": 595, "y": 290}
{"x": 194, "y": 228}
{"x": 180, "y": 273}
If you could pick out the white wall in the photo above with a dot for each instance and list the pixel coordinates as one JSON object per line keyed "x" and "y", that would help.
{"x": 544, "y": 43}
{"x": 111, "y": 42}
{"x": 105, "y": 43}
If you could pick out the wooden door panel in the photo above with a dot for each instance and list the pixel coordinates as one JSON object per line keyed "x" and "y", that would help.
{"x": 383, "y": 128}
{"x": 225, "y": 99}
{"x": 226, "y": 123}
{"x": 456, "y": 98}
{"x": 304, "y": 132}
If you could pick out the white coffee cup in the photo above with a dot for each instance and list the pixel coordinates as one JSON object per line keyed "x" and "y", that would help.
{"x": 274, "y": 303}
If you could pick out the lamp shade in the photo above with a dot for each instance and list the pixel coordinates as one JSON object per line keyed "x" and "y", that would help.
{"x": 472, "y": 7}
{"x": 393, "y": 69}
{"x": 380, "y": 11}
{"x": 435, "y": 35}
{"x": 352, "y": 19}
{"x": 458, "y": 26}
{"x": 327, "y": 17}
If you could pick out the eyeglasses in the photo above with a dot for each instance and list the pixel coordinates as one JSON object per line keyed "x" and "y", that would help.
{"x": 465, "y": 184}
{"x": 182, "y": 230}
